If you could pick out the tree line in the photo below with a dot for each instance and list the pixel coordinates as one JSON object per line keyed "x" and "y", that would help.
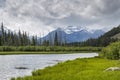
{"x": 9, "y": 38}
{"x": 101, "y": 41}
{"x": 22, "y": 38}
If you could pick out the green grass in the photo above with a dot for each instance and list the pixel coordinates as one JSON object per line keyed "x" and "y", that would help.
{"x": 48, "y": 48}
{"x": 51, "y": 52}
{"x": 10, "y": 50}
{"x": 79, "y": 69}
{"x": 23, "y": 52}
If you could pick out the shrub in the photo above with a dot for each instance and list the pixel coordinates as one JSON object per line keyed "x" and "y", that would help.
{"x": 112, "y": 51}
{"x": 48, "y": 48}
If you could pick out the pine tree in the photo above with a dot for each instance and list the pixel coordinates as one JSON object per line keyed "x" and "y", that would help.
{"x": 9, "y": 39}
{"x": 46, "y": 42}
{"x": 34, "y": 41}
{"x": 20, "y": 41}
{"x": 56, "y": 43}
{"x": 50, "y": 41}
{"x": 2, "y": 35}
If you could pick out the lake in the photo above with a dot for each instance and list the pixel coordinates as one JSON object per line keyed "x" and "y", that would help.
{"x": 8, "y": 63}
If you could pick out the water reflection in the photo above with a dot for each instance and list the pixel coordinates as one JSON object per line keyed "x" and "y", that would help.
{"x": 8, "y": 63}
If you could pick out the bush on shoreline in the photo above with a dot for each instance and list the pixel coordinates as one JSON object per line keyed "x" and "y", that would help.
{"x": 112, "y": 51}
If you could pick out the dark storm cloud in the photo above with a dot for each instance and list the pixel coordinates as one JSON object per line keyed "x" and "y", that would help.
{"x": 2, "y": 3}
{"x": 111, "y": 6}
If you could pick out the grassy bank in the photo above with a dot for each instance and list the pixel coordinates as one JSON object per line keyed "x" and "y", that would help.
{"x": 9, "y": 50}
{"x": 23, "y": 52}
{"x": 48, "y": 48}
{"x": 79, "y": 69}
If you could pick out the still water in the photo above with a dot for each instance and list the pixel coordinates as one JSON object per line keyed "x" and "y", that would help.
{"x": 8, "y": 63}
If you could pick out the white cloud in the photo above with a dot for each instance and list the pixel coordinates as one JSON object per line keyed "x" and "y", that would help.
{"x": 42, "y": 16}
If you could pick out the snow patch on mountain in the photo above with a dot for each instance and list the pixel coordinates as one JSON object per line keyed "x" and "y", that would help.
{"x": 74, "y": 34}
{"x": 72, "y": 29}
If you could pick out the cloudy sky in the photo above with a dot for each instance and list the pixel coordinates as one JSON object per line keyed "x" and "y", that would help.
{"x": 42, "y": 16}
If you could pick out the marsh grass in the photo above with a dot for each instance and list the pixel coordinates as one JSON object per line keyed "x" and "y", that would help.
{"x": 48, "y": 48}
{"x": 11, "y": 50}
{"x": 79, "y": 69}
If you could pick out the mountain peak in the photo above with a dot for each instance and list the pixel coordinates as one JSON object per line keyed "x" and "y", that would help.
{"x": 72, "y": 29}
{"x": 59, "y": 29}
{"x": 74, "y": 34}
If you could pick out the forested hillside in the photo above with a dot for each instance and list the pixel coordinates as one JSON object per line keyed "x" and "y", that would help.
{"x": 103, "y": 40}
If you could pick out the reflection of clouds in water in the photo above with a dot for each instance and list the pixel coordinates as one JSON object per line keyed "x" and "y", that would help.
{"x": 32, "y": 62}
{"x": 7, "y": 66}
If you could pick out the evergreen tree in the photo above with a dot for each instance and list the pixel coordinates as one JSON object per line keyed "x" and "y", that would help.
{"x": 34, "y": 41}
{"x": 2, "y": 35}
{"x": 46, "y": 43}
{"x": 56, "y": 43}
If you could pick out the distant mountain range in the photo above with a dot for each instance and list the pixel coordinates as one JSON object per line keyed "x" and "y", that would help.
{"x": 73, "y": 34}
{"x": 109, "y": 37}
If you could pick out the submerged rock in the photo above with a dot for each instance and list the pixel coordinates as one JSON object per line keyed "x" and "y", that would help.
{"x": 57, "y": 60}
{"x": 113, "y": 69}
{"x": 21, "y": 68}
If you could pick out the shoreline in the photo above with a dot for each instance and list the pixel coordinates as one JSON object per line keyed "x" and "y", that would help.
{"x": 92, "y": 67}
{"x": 28, "y": 53}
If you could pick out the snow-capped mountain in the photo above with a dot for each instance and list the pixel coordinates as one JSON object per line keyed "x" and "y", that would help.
{"x": 73, "y": 34}
{"x": 71, "y": 29}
